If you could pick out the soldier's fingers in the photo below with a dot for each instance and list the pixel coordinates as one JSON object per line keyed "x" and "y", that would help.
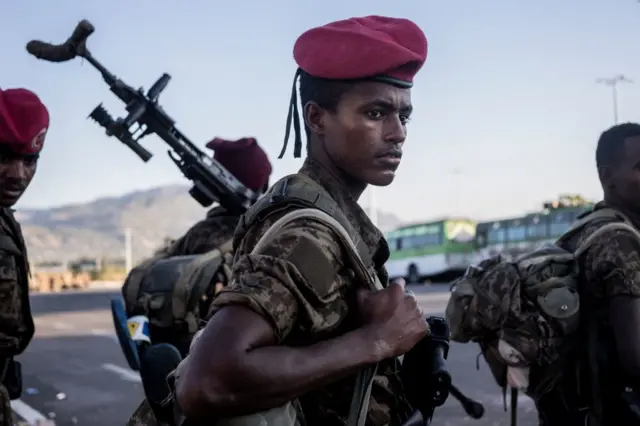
{"x": 400, "y": 281}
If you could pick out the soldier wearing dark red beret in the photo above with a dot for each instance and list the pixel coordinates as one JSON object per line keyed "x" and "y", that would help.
{"x": 248, "y": 162}
{"x": 291, "y": 332}
{"x": 24, "y": 121}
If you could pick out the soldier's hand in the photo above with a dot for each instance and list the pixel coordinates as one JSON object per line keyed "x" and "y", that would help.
{"x": 393, "y": 319}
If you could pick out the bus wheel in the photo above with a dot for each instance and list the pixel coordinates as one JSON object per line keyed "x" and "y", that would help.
{"x": 413, "y": 276}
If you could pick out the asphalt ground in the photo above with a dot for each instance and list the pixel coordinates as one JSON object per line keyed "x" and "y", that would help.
{"x": 75, "y": 374}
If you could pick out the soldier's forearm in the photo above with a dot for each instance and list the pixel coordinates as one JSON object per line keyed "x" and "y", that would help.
{"x": 268, "y": 376}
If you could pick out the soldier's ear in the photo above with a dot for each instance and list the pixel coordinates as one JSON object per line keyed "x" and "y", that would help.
{"x": 314, "y": 117}
{"x": 607, "y": 177}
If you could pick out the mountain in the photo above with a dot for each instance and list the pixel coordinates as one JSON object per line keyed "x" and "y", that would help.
{"x": 97, "y": 228}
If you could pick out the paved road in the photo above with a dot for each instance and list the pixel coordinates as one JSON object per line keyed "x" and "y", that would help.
{"x": 75, "y": 373}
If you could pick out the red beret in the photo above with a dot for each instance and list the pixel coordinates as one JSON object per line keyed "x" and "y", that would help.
{"x": 378, "y": 48}
{"x": 361, "y": 48}
{"x": 244, "y": 159}
{"x": 24, "y": 121}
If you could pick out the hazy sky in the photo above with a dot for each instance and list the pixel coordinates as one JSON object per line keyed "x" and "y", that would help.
{"x": 507, "y": 111}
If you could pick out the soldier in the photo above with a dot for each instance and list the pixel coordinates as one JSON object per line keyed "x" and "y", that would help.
{"x": 294, "y": 324}
{"x": 244, "y": 159}
{"x": 605, "y": 383}
{"x": 248, "y": 162}
{"x": 24, "y": 121}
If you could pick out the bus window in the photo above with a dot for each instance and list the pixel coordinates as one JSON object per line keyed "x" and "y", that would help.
{"x": 424, "y": 240}
{"x": 393, "y": 244}
{"x": 560, "y": 223}
{"x": 480, "y": 240}
{"x": 496, "y": 236}
{"x": 516, "y": 233}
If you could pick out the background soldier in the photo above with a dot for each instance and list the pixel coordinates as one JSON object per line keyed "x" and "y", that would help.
{"x": 248, "y": 162}
{"x": 294, "y": 323}
{"x": 24, "y": 121}
{"x": 606, "y": 381}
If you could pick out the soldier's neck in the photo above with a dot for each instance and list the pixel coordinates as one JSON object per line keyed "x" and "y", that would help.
{"x": 354, "y": 187}
{"x": 633, "y": 215}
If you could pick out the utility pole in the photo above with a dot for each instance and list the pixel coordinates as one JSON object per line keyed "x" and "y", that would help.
{"x": 128, "y": 252}
{"x": 613, "y": 83}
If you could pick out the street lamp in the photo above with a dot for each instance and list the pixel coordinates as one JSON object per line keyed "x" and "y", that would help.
{"x": 613, "y": 83}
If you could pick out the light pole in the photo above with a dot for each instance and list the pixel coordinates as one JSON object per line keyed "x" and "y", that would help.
{"x": 613, "y": 83}
{"x": 128, "y": 251}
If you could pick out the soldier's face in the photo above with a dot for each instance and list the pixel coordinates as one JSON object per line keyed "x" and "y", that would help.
{"x": 16, "y": 172}
{"x": 364, "y": 136}
{"x": 625, "y": 179}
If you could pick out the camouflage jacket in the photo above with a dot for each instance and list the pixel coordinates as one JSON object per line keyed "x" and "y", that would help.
{"x": 15, "y": 313}
{"x": 16, "y": 322}
{"x": 208, "y": 234}
{"x": 304, "y": 312}
{"x": 609, "y": 268}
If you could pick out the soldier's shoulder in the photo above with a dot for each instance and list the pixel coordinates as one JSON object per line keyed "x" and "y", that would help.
{"x": 264, "y": 214}
{"x": 616, "y": 235}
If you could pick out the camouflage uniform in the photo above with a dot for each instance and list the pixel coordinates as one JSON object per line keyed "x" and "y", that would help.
{"x": 208, "y": 234}
{"x": 304, "y": 312}
{"x": 609, "y": 268}
{"x": 16, "y": 322}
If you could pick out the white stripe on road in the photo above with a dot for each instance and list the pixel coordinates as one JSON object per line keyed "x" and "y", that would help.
{"x": 28, "y": 413}
{"x": 124, "y": 373}
{"x": 62, "y": 326}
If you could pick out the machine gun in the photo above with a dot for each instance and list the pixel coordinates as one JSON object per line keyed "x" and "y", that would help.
{"x": 211, "y": 181}
{"x": 426, "y": 377}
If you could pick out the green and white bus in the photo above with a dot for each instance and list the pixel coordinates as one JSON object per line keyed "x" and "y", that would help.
{"x": 519, "y": 235}
{"x": 435, "y": 250}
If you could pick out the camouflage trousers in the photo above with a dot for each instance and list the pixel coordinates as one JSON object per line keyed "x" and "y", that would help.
{"x": 143, "y": 416}
{"x": 6, "y": 415}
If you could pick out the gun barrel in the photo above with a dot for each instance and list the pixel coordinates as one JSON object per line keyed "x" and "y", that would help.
{"x": 473, "y": 408}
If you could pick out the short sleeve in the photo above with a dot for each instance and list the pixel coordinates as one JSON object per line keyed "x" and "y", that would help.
{"x": 294, "y": 279}
{"x": 612, "y": 264}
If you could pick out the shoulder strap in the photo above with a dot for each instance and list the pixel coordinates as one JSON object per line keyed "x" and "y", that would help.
{"x": 600, "y": 214}
{"x": 605, "y": 228}
{"x": 364, "y": 381}
{"x": 298, "y": 190}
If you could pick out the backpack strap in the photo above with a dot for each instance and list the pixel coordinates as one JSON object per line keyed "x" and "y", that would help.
{"x": 605, "y": 213}
{"x": 605, "y": 228}
{"x": 301, "y": 191}
{"x": 364, "y": 381}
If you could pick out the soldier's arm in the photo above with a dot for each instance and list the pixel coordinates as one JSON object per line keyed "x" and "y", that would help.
{"x": 239, "y": 365}
{"x": 614, "y": 264}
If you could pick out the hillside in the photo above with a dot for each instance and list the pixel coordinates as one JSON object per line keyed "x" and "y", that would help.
{"x": 96, "y": 228}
